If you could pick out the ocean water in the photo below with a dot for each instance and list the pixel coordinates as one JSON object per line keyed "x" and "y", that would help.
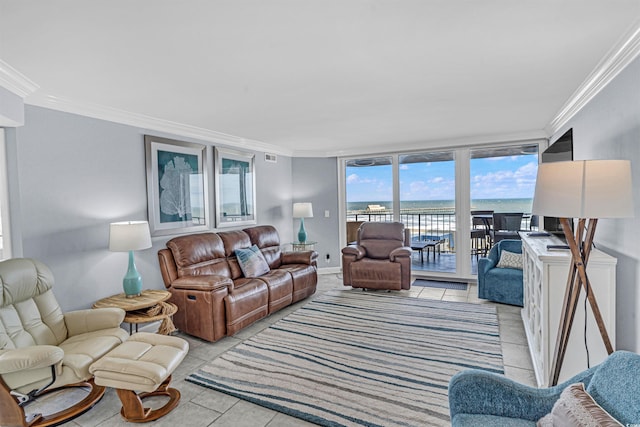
{"x": 444, "y": 206}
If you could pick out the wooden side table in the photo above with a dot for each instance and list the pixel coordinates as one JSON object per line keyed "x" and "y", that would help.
{"x": 150, "y": 306}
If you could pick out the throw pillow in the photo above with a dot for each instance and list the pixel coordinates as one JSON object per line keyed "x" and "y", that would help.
{"x": 252, "y": 262}
{"x": 510, "y": 260}
{"x": 576, "y": 408}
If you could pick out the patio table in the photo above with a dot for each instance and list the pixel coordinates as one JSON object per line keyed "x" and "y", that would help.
{"x": 428, "y": 245}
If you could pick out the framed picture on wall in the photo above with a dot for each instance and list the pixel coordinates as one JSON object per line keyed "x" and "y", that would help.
{"x": 177, "y": 181}
{"x": 235, "y": 188}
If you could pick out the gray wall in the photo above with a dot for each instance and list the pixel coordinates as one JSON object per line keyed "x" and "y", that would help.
{"x": 609, "y": 128}
{"x": 316, "y": 181}
{"x": 74, "y": 175}
{"x": 11, "y": 108}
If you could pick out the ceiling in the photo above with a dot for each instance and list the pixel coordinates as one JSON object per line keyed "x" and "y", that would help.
{"x": 316, "y": 77}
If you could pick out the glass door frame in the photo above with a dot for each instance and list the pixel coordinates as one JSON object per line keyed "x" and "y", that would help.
{"x": 462, "y": 158}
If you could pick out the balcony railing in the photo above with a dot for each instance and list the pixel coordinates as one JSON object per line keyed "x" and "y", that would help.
{"x": 432, "y": 225}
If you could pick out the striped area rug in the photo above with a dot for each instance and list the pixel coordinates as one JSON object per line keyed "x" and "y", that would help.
{"x": 353, "y": 358}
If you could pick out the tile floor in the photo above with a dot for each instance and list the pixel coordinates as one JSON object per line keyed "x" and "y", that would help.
{"x": 203, "y": 407}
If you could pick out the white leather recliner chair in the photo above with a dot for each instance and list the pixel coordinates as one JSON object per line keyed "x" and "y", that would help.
{"x": 43, "y": 349}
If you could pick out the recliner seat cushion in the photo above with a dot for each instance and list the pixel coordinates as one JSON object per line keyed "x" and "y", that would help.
{"x": 80, "y": 351}
{"x": 305, "y": 279}
{"x": 280, "y": 285}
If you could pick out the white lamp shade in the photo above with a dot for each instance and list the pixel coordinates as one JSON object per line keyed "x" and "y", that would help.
{"x": 302, "y": 210}
{"x": 129, "y": 236}
{"x": 584, "y": 189}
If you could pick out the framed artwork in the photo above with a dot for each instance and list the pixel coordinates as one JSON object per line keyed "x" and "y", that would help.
{"x": 177, "y": 186}
{"x": 235, "y": 188}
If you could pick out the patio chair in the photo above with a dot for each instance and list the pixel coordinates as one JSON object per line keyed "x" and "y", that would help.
{"x": 506, "y": 226}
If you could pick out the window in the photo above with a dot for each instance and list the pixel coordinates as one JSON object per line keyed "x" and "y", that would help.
{"x": 369, "y": 189}
{"x": 433, "y": 193}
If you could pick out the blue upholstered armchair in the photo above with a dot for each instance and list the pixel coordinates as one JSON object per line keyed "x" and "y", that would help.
{"x": 500, "y": 284}
{"x": 480, "y": 398}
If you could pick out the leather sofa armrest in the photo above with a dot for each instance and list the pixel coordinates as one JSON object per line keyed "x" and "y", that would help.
{"x": 208, "y": 282}
{"x": 300, "y": 257}
{"x": 25, "y": 358}
{"x": 83, "y": 321}
{"x": 168, "y": 268}
{"x": 403, "y": 252}
{"x": 355, "y": 251}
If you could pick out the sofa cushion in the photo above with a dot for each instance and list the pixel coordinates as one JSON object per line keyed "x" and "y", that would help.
{"x": 252, "y": 262}
{"x": 510, "y": 260}
{"x": 484, "y": 420}
{"x": 267, "y": 239}
{"x": 616, "y": 388}
{"x": 379, "y": 239}
{"x": 199, "y": 254}
{"x": 576, "y": 407}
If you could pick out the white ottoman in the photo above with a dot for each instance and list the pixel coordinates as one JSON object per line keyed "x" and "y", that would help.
{"x": 143, "y": 363}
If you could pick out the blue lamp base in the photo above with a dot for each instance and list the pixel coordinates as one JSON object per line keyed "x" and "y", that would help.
{"x": 132, "y": 282}
{"x": 302, "y": 234}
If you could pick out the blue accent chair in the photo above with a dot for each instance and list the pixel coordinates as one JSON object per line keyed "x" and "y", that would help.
{"x": 480, "y": 398}
{"x": 500, "y": 284}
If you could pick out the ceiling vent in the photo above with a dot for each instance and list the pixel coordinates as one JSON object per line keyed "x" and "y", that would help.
{"x": 271, "y": 158}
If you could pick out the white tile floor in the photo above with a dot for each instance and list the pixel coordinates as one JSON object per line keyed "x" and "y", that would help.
{"x": 204, "y": 407}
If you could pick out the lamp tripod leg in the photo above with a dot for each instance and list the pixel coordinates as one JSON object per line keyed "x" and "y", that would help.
{"x": 580, "y": 251}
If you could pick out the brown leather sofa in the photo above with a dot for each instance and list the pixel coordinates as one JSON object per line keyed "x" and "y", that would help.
{"x": 380, "y": 259}
{"x": 206, "y": 282}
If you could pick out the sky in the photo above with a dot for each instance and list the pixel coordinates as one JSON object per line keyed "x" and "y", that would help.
{"x": 511, "y": 177}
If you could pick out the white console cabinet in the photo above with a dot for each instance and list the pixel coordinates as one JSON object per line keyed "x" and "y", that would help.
{"x": 545, "y": 282}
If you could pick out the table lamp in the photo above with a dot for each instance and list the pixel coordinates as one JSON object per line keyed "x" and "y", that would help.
{"x": 586, "y": 190}
{"x": 130, "y": 236}
{"x": 302, "y": 211}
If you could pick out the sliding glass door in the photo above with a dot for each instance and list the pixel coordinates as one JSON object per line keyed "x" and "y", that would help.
{"x": 369, "y": 192}
{"x": 447, "y": 199}
{"x": 502, "y": 181}
{"x": 427, "y": 207}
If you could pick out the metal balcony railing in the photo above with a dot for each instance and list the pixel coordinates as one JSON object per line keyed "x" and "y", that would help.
{"x": 431, "y": 225}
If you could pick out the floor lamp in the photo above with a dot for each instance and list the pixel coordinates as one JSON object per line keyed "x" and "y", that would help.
{"x": 586, "y": 190}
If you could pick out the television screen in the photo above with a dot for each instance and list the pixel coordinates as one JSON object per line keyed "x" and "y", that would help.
{"x": 560, "y": 151}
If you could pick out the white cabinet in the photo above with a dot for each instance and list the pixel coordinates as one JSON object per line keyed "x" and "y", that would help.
{"x": 545, "y": 281}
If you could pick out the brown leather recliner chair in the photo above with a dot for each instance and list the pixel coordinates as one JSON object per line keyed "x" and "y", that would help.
{"x": 381, "y": 259}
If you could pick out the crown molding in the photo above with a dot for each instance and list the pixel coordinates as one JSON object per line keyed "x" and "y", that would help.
{"x": 444, "y": 144}
{"x": 151, "y": 123}
{"x": 16, "y": 82}
{"x": 617, "y": 59}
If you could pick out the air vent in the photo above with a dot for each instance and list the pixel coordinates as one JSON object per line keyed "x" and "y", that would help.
{"x": 271, "y": 158}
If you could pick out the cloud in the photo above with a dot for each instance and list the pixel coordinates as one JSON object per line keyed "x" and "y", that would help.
{"x": 505, "y": 183}
{"x": 352, "y": 179}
